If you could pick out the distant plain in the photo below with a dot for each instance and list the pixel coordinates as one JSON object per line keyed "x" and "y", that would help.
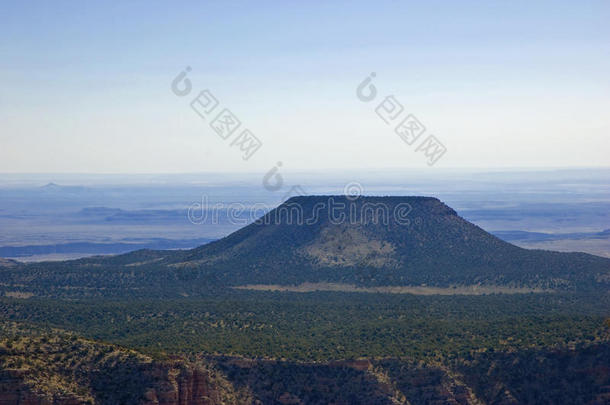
{"x": 56, "y": 217}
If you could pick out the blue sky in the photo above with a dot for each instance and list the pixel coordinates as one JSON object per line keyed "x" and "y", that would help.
{"x": 86, "y": 87}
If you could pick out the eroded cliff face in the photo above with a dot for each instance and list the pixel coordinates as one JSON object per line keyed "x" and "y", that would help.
{"x": 56, "y": 368}
{"x": 224, "y": 380}
{"x": 181, "y": 384}
{"x": 347, "y": 382}
{"x": 61, "y": 369}
{"x": 171, "y": 384}
{"x": 211, "y": 381}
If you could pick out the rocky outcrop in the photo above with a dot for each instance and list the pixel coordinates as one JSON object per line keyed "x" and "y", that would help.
{"x": 173, "y": 384}
{"x": 14, "y": 391}
{"x": 187, "y": 385}
{"x": 55, "y": 368}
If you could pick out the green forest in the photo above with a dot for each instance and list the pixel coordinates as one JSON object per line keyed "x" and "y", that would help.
{"x": 326, "y": 326}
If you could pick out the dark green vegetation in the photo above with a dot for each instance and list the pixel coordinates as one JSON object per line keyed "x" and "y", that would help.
{"x": 323, "y": 326}
{"x": 552, "y": 376}
{"x": 274, "y": 347}
{"x": 366, "y": 242}
{"x": 374, "y": 247}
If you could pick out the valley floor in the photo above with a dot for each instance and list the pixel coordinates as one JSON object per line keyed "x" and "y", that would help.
{"x": 415, "y": 290}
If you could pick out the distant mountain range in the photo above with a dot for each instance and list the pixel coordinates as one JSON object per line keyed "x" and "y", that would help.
{"x": 93, "y": 248}
{"x": 363, "y": 242}
{"x": 543, "y": 236}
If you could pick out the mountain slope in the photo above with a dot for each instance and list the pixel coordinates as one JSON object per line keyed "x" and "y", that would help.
{"x": 372, "y": 244}
{"x": 369, "y": 241}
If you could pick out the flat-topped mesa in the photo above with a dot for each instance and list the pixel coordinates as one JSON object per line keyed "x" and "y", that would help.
{"x": 367, "y": 242}
{"x": 341, "y": 209}
{"x": 382, "y": 241}
{"x": 425, "y": 205}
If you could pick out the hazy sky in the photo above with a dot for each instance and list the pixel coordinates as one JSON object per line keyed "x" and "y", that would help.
{"x": 86, "y": 88}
